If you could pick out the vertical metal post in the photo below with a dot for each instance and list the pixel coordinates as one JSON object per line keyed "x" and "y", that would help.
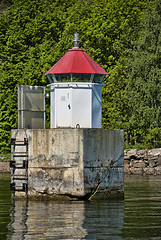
{"x": 54, "y": 78}
{"x": 71, "y": 77}
{"x": 49, "y": 78}
{"x": 92, "y": 76}
{"x": 22, "y": 113}
{"x": 102, "y": 78}
{"x": 19, "y": 112}
{"x": 44, "y": 90}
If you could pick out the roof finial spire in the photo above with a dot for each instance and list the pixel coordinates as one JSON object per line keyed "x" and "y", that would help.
{"x": 76, "y": 40}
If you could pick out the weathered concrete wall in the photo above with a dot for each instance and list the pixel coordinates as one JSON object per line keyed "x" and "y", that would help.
{"x": 56, "y": 161}
{"x": 74, "y": 162}
{"x": 104, "y": 160}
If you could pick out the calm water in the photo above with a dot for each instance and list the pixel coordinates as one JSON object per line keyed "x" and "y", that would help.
{"x": 137, "y": 217}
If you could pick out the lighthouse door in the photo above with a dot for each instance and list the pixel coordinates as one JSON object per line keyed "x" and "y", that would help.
{"x": 63, "y": 111}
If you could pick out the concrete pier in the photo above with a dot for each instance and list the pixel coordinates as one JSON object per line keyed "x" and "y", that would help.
{"x": 74, "y": 163}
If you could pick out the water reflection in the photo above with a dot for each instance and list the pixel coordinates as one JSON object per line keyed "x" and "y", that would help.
{"x": 66, "y": 220}
{"x": 142, "y": 208}
{"x": 5, "y": 201}
{"x": 138, "y": 217}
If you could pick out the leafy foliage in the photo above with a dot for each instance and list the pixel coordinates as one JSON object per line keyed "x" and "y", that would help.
{"x": 34, "y": 34}
{"x": 144, "y": 88}
{"x": 4, "y": 4}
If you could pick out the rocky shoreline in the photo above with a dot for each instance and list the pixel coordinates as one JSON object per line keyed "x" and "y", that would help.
{"x": 139, "y": 162}
{"x": 142, "y": 162}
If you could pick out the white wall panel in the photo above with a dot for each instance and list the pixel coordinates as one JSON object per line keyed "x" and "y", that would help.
{"x": 74, "y": 104}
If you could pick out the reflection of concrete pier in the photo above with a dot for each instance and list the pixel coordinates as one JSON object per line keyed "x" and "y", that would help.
{"x": 18, "y": 226}
{"x": 73, "y": 162}
{"x": 68, "y": 220}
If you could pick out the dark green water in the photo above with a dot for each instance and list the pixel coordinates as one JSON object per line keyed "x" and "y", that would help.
{"x": 137, "y": 217}
{"x": 5, "y": 203}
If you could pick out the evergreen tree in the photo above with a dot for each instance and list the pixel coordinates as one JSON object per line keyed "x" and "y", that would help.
{"x": 144, "y": 88}
{"x": 34, "y": 34}
{"x": 28, "y": 33}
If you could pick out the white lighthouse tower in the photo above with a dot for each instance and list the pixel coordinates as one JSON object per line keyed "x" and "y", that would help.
{"x": 76, "y": 90}
{"x": 75, "y": 158}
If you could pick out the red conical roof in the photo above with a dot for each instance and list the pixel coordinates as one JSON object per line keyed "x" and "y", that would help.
{"x": 76, "y": 61}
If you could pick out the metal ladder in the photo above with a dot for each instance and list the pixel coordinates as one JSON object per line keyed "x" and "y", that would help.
{"x": 19, "y": 165}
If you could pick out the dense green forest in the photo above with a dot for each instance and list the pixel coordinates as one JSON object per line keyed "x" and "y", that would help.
{"x": 123, "y": 36}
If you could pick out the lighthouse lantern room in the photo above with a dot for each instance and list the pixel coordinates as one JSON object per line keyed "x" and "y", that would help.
{"x": 76, "y": 90}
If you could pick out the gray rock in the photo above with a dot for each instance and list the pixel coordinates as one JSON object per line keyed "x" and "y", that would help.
{"x": 154, "y": 152}
{"x": 139, "y": 164}
{"x": 142, "y": 161}
{"x": 158, "y": 170}
{"x": 126, "y": 163}
{"x": 152, "y": 164}
{"x": 130, "y": 152}
{"x": 159, "y": 160}
{"x": 149, "y": 171}
{"x": 137, "y": 171}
